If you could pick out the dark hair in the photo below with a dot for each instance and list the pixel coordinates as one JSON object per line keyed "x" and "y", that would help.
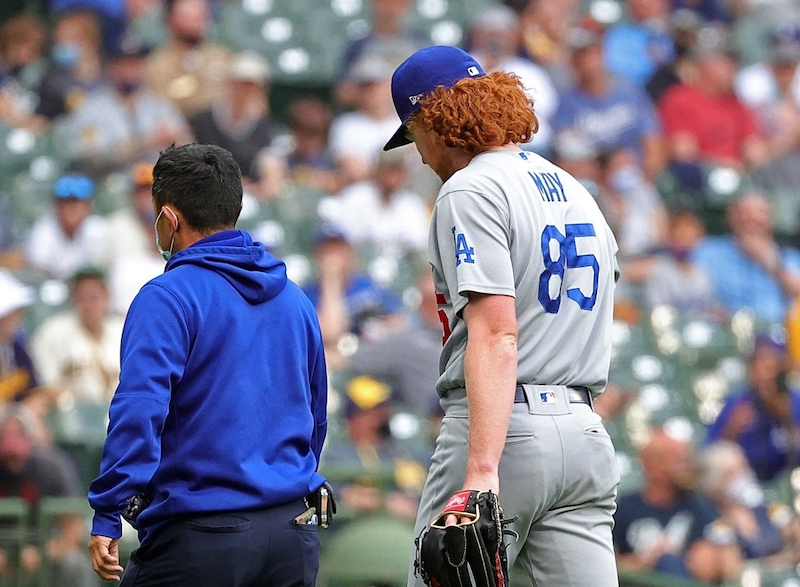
{"x": 203, "y": 182}
{"x": 86, "y": 273}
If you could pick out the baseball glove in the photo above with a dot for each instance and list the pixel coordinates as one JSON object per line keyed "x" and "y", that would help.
{"x": 455, "y": 556}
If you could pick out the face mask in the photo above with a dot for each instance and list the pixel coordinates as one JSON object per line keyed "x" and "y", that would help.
{"x": 66, "y": 55}
{"x": 744, "y": 490}
{"x": 128, "y": 88}
{"x": 625, "y": 179}
{"x": 168, "y": 253}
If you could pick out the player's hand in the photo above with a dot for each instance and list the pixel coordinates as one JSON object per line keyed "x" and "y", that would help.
{"x": 487, "y": 482}
{"x": 105, "y": 557}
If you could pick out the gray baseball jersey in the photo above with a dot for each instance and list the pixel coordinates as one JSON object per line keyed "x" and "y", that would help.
{"x": 512, "y": 223}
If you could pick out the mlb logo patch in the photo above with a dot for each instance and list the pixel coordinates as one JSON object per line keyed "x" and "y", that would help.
{"x": 548, "y": 397}
{"x": 473, "y": 71}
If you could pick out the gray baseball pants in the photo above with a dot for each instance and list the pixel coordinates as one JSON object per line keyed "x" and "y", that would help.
{"x": 558, "y": 475}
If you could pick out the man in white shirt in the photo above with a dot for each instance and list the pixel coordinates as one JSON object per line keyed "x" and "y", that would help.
{"x": 73, "y": 237}
{"x": 77, "y": 352}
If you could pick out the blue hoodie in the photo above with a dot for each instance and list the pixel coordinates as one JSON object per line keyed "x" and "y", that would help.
{"x": 221, "y": 404}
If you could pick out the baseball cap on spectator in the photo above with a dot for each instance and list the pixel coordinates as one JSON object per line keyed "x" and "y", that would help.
{"x": 15, "y": 295}
{"x": 79, "y": 187}
{"x": 329, "y": 231}
{"x": 420, "y": 74}
{"x": 371, "y": 67}
{"x": 249, "y": 66}
{"x": 582, "y": 37}
{"x": 365, "y": 393}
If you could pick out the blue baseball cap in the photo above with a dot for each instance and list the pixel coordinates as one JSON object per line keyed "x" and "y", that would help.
{"x": 421, "y": 74}
{"x": 74, "y": 186}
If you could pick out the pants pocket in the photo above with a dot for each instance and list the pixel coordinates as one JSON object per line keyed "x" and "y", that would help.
{"x": 219, "y": 524}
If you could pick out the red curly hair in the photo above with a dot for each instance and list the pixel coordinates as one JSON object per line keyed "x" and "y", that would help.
{"x": 479, "y": 113}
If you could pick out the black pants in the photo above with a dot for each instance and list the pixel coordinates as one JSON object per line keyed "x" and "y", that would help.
{"x": 235, "y": 549}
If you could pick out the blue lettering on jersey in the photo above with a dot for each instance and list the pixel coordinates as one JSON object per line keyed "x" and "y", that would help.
{"x": 462, "y": 248}
{"x": 550, "y": 187}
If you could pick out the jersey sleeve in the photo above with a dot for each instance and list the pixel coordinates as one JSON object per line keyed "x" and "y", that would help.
{"x": 472, "y": 243}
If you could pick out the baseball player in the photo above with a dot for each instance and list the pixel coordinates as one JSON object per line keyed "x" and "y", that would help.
{"x": 525, "y": 268}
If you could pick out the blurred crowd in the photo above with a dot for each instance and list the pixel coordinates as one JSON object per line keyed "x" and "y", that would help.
{"x": 681, "y": 117}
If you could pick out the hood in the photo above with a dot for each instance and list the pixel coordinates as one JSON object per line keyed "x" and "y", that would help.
{"x": 247, "y": 266}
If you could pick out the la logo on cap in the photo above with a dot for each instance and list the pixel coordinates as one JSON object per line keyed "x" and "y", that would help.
{"x": 473, "y": 71}
{"x": 415, "y": 99}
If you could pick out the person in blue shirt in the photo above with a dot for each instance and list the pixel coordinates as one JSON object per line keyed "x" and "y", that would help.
{"x": 220, "y": 414}
{"x": 610, "y": 111}
{"x": 764, "y": 418}
{"x": 747, "y": 267}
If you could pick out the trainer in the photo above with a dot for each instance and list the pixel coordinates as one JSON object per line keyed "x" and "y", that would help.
{"x": 524, "y": 267}
{"x": 219, "y": 416}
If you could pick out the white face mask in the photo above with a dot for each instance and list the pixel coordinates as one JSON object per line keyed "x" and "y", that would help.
{"x": 168, "y": 253}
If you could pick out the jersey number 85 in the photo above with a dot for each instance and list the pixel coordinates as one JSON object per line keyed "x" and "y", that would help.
{"x": 567, "y": 258}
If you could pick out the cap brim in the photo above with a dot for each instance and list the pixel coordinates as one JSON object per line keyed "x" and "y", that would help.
{"x": 398, "y": 139}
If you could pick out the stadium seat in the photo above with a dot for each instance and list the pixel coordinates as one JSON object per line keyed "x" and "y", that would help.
{"x": 51, "y": 514}
{"x": 371, "y": 551}
{"x": 14, "y": 516}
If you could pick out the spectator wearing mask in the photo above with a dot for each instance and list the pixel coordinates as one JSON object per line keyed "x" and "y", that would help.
{"x": 766, "y": 531}
{"x": 124, "y": 121}
{"x": 22, "y": 68}
{"x": 77, "y": 64}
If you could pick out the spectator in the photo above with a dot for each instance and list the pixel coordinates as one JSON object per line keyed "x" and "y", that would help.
{"x": 684, "y": 25}
{"x": 388, "y": 32}
{"x": 11, "y": 255}
{"x": 132, "y": 256}
{"x": 408, "y": 358}
{"x": 545, "y": 26}
{"x": 636, "y": 48}
{"x": 764, "y": 530}
{"x": 111, "y": 14}
{"x": 188, "y": 69}
{"x": 123, "y": 121}
{"x": 373, "y": 120}
{"x": 17, "y": 375}
{"x": 379, "y": 470}
{"x": 493, "y": 40}
{"x": 32, "y": 472}
{"x": 240, "y": 119}
{"x": 672, "y": 277}
{"x": 668, "y": 526}
{"x": 73, "y": 238}
{"x": 76, "y": 66}
{"x": 380, "y": 215}
{"x": 764, "y": 417}
{"x": 22, "y": 40}
{"x": 612, "y": 113}
{"x": 346, "y": 299}
{"x": 772, "y": 90}
{"x": 747, "y": 267}
{"x": 711, "y": 11}
{"x": 704, "y": 121}
{"x": 77, "y": 352}
{"x": 630, "y": 203}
